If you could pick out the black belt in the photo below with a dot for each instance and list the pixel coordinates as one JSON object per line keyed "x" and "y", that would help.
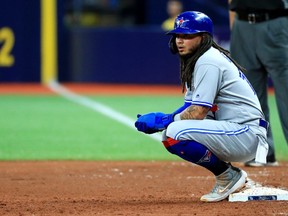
{"x": 256, "y": 17}
{"x": 263, "y": 123}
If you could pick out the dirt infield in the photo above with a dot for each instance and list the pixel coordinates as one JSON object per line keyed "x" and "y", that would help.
{"x": 94, "y": 89}
{"x": 91, "y": 88}
{"x": 124, "y": 188}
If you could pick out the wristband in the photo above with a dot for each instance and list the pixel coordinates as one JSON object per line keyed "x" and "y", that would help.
{"x": 177, "y": 117}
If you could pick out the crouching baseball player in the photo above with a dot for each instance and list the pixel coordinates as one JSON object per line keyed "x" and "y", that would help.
{"x": 221, "y": 120}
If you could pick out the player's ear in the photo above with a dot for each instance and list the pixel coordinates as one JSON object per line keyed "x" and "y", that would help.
{"x": 172, "y": 45}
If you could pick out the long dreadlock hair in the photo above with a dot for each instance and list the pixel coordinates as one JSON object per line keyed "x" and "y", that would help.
{"x": 187, "y": 63}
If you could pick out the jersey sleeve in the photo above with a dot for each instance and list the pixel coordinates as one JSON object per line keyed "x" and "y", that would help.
{"x": 206, "y": 84}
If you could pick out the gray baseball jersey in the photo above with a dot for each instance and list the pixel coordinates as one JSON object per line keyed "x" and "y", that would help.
{"x": 232, "y": 133}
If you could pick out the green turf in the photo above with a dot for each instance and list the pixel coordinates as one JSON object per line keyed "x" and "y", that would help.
{"x": 51, "y": 127}
{"x": 280, "y": 143}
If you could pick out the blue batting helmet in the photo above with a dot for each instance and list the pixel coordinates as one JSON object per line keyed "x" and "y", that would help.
{"x": 192, "y": 22}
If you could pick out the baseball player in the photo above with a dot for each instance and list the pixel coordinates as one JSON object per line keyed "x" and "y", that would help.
{"x": 221, "y": 120}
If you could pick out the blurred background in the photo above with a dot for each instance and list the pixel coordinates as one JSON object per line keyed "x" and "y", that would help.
{"x": 103, "y": 41}
{"x": 92, "y": 42}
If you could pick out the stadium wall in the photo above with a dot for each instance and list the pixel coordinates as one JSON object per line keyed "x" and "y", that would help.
{"x": 29, "y": 53}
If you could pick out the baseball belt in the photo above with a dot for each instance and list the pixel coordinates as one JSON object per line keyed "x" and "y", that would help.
{"x": 257, "y": 17}
{"x": 263, "y": 123}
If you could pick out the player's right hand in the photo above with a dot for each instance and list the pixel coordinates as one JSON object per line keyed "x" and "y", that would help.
{"x": 146, "y": 123}
{"x": 153, "y": 122}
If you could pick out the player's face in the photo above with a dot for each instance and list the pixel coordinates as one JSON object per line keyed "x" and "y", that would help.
{"x": 187, "y": 43}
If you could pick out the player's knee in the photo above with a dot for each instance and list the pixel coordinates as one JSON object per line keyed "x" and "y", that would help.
{"x": 187, "y": 149}
{"x": 177, "y": 147}
{"x": 172, "y": 129}
{"x": 169, "y": 143}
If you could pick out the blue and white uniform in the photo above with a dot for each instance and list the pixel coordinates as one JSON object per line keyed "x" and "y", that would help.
{"x": 232, "y": 132}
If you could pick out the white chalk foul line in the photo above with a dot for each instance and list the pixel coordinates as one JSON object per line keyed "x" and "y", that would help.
{"x": 96, "y": 106}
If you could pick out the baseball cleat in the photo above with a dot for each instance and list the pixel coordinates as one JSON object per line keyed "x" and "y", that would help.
{"x": 232, "y": 180}
{"x": 253, "y": 163}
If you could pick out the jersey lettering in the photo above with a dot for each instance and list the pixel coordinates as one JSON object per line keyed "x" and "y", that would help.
{"x": 243, "y": 77}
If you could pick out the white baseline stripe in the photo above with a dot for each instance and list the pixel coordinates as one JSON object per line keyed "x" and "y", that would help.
{"x": 98, "y": 107}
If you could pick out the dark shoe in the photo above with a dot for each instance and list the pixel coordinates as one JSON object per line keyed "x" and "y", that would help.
{"x": 253, "y": 163}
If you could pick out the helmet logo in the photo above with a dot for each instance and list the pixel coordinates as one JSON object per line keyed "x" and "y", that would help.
{"x": 180, "y": 22}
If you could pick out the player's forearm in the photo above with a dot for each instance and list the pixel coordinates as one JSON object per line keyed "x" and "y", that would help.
{"x": 194, "y": 112}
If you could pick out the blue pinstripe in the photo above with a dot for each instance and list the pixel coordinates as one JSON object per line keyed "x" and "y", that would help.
{"x": 208, "y": 131}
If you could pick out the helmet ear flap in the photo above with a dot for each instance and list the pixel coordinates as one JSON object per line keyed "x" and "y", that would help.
{"x": 172, "y": 45}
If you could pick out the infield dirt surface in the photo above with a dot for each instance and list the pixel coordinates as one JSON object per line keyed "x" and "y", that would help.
{"x": 125, "y": 188}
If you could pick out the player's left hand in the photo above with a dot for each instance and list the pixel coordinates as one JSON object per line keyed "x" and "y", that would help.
{"x": 153, "y": 122}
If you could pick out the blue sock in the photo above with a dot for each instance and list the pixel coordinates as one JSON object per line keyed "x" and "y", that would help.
{"x": 196, "y": 153}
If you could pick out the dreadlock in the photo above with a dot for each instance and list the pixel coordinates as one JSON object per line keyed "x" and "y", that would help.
{"x": 187, "y": 62}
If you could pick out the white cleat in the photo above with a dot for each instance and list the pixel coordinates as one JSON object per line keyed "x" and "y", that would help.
{"x": 232, "y": 180}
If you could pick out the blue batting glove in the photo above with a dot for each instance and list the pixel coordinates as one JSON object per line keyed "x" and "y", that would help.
{"x": 153, "y": 122}
{"x": 162, "y": 120}
{"x": 146, "y": 123}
